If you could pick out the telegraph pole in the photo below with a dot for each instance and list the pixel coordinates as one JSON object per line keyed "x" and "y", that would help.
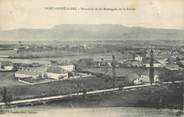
{"x": 151, "y": 68}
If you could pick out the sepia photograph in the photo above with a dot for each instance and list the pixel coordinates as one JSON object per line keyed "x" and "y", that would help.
{"x": 84, "y": 58}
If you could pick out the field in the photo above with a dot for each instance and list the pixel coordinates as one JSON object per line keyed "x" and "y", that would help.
{"x": 19, "y": 91}
{"x": 7, "y": 79}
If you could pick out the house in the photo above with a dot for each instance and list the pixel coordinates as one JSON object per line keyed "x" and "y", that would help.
{"x": 137, "y": 81}
{"x": 56, "y": 72}
{"x": 26, "y": 74}
{"x": 30, "y": 73}
{"x": 144, "y": 78}
{"x": 67, "y": 67}
{"x": 6, "y": 66}
{"x": 132, "y": 63}
{"x": 156, "y": 63}
{"x": 138, "y": 58}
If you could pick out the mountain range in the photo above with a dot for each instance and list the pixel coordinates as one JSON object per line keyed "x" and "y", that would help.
{"x": 89, "y": 32}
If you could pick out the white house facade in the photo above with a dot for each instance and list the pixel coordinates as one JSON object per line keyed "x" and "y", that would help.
{"x": 67, "y": 67}
{"x": 56, "y": 73}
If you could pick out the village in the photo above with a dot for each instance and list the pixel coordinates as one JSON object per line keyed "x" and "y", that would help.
{"x": 134, "y": 61}
{"x": 87, "y": 70}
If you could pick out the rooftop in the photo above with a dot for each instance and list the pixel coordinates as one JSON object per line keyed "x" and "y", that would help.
{"x": 6, "y": 63}
{"x": 55, "y": 69}
{"x": 32, "y": 71}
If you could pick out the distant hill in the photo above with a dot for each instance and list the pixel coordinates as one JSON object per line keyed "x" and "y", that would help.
{"x": 91, "y": 32}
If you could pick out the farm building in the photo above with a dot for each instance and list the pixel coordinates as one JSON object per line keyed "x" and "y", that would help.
{"x": 55, "y": 72}
{"x": 67, "y": 67}
{"x": 30, "y": 73}
{"x": 6, "y": 65}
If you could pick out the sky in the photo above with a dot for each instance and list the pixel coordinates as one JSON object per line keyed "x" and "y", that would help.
{"x": 16, "y": 14}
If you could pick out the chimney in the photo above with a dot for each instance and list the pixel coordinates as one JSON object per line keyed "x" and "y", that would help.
{"x": 113, "y": 70}
{"x": 151, "y": 68}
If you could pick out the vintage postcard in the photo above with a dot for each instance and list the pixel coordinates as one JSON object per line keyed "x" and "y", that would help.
{"x": 91, "y": 58}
